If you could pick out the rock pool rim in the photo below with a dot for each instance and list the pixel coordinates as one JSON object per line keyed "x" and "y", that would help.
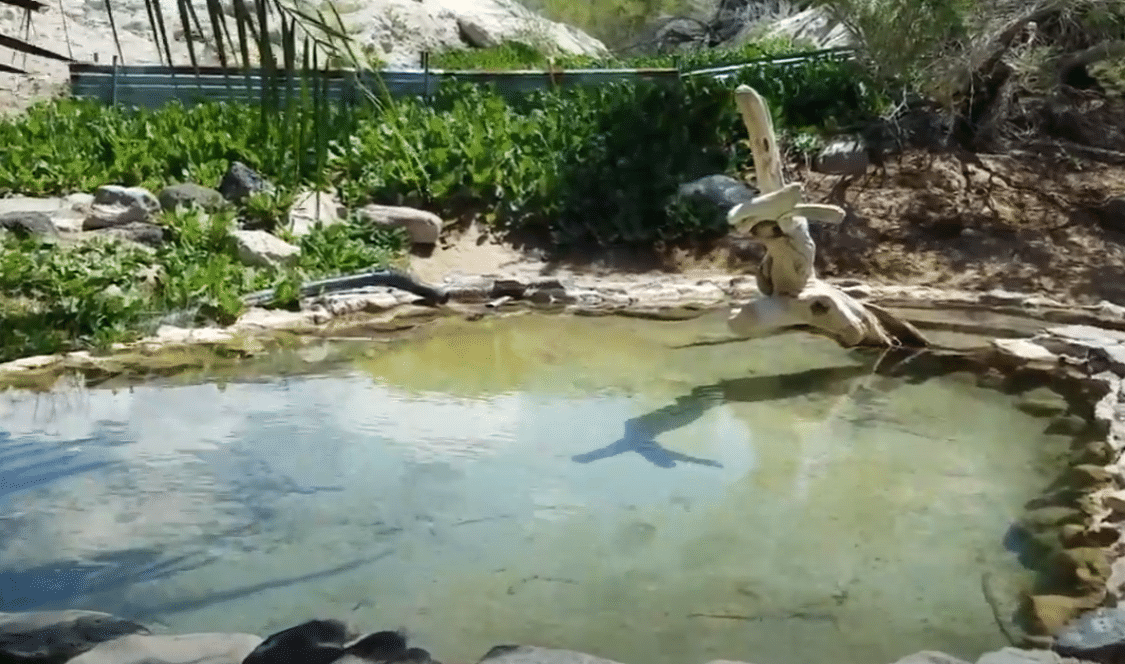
{"x": 1084, "y": 364}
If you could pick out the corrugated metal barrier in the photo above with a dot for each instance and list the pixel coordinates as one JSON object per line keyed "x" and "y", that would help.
{"x": 152, "y": 86}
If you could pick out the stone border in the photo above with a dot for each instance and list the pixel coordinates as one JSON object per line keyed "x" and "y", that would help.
{"x": 1084, "y": 360}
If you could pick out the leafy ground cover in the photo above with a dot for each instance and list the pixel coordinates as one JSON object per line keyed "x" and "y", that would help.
{"x": 588, "y": 165}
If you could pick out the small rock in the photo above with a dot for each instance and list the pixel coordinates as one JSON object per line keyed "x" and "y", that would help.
{"x": 259, "y": 248}
{"x": 722, "y": 191}
{"x": 174, "y": 649}
{"x": 313, "y": 207}
{"x": 138, "y": 231}
{"x": 1024, "y": 350}
{"x": 843, "y": 157}
{"x": 930, "y": 657}
{"x": 423, "y": 227}
{"x": 57, "y": 636}
{"x": 537, "y": 655}
{"x": 241, "y": 181}
{"x": 189, "y": 194}
{"x": 115, "y": 195}
{"x": 25, "y": 224}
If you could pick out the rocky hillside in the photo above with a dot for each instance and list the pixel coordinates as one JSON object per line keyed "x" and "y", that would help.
{"x": 395, "y": 31}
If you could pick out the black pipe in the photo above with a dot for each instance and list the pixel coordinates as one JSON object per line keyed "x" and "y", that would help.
{"x": 385, "y": 277}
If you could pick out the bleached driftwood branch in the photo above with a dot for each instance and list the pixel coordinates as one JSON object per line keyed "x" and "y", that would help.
{"x": 792, "y": 297}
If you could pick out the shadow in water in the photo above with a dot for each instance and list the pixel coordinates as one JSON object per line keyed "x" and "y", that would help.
{"x": 55, "y": 585}
{"x": 641, "y": 432}
{"x": 24, "y": 465}
{"x": 910, "y": 365}
{"x": 239, "y": 593}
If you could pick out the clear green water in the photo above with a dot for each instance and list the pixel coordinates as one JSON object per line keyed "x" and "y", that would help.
{"x": 581, "y": 483}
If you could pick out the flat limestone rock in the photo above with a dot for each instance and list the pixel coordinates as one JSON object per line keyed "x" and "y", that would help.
{"x": 172, "y": 649}
{"x": 536, "y": 655}
{"x": 931, "y": 657}
{"x": 44, "y": 636}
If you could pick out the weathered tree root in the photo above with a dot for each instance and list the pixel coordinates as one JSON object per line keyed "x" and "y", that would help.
{"x": 792, "y": 296}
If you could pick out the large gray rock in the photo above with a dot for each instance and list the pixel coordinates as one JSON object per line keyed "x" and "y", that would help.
{"x": 115, "y": 206}
{"x": 423, "y": 227}
{"x": 241, "y": 181}
{"x": 56, "y": 636}
{"x": 537, "y": 655}
{"x": 29, "y": 224}
{"x": 172, "y": 649}
{"x": 189, "y": 194}
{"x": 260, "y": 249}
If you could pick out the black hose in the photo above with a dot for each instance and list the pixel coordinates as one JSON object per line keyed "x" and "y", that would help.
{"x": 385, "y": 277}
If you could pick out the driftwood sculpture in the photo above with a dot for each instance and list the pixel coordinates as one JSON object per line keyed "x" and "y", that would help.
{"x": 792, "y": 297}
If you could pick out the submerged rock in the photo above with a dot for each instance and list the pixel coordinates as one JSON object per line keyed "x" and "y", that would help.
{"x": 1095, "y": 635}
{"x": 172, "y": 649}
{"x": 535, "y": 655}
{"x": 930, "y": 657}
{"x": 58, "y": 636}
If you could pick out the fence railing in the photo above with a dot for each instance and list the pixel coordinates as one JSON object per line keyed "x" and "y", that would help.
{"x": 152, "y": 86}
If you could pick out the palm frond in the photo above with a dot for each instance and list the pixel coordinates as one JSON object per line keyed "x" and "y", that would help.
{"x": 22, "y": 46}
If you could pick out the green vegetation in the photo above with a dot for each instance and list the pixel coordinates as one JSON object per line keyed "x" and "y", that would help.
{"x": 596, "y": 164}
{"x": 514, "y": 55}
{"x": 97, "y": 292}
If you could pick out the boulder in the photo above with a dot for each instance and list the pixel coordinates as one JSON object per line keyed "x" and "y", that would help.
{"x": 29, "y": 224}
{"x": 314, "y": 207}
{"x": 241, "y": 181}
{"x": 56, "y": 636}
{"x": 172, "y": 649}
{"x": 261, "y": 249}
{"x": 66, "y": 213}
{"x": 508, "y": 654}
{"x": 814, "y": 26}
{"x": 421, "y": 226}
{"x": 398, "y": 31}
{"x": 189, "y": 194}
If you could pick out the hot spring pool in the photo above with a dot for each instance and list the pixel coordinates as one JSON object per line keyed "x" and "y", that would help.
{"x": 584, "y": 483}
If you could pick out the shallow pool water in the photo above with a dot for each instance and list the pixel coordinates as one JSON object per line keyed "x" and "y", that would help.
{"x": 587, "y": 483}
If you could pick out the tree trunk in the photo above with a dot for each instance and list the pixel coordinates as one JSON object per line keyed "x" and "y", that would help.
{"x": 792, "y": 296}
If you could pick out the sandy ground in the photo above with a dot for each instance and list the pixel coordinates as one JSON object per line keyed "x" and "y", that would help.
{"x": 971, "y": 223}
